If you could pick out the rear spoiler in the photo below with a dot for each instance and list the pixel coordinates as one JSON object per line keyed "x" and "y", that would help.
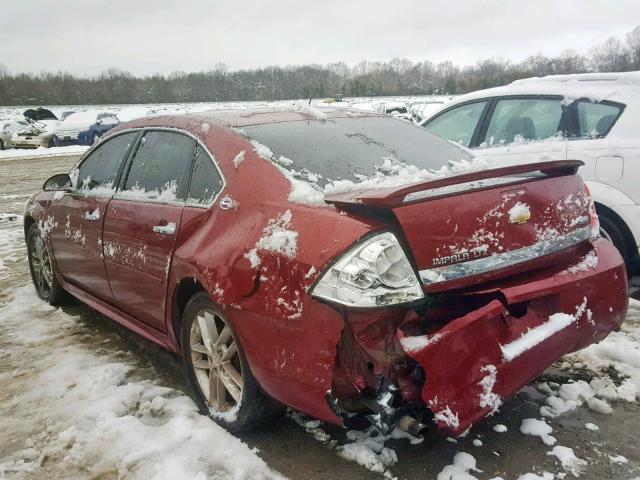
{"x": 393, "y": 196}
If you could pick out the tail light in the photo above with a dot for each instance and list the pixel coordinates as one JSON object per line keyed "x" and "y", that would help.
{"x": 373, "y": 273}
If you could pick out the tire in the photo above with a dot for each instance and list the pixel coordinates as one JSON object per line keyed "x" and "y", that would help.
{"x": 243, "y": 405}
{"x": 1, "y": 145}
{"x": 611, "y": 230}
{"x": 42, "y": 271}
{"x": 51, "y": 143}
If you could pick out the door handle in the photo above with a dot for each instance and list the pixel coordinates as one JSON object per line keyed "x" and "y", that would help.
{"x": 168, "y": 229}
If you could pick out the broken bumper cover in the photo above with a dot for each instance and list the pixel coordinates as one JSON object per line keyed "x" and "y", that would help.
{"x": 475, "y": 362}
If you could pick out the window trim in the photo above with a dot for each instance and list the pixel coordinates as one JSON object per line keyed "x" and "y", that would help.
{"x": 123, "y": 162}
{"x": 215, "y": 197}
{"x": 481, "y": 118}
{"x": 127, "y": 165}
{"x": 573, "y": 118}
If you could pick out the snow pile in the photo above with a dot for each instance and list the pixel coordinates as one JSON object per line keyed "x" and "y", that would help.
{"x": 238, "y": 159}
{"x": 367, "y": 449}
{"x": 533, "y": 476}
{"x": 500, "y": 428}
{"x": 415, "y": 344}
{"x": 12, "y": 249}
{"x": 489, "y": 399}
{"x": 392, "y": 173}
{"x": 536, "y": 335}
{"x": 568, "y": 459}
{"x": 538, "y": 428}
{"x": 389, "y": 173}
{"x": 590, "y": 260}
{"x": 461, "y": 468}
{"x": 446, "y": 416}
{"x": 519, "y": 212}
{"x": 276, "y": 237}
{"x": 620, "y": 351}
{"x": 302, "y": 192}
{"x": 101, "y": 422}
{"x": 306, "y": 109}
{"x": 167, "y": 193}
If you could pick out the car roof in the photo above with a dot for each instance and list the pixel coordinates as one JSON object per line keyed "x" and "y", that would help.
{"x": 246, "y": 117}
{"x": 618, "y": 87}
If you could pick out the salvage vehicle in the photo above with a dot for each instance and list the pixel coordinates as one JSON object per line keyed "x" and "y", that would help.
{"x": 7, "y": 129}
{"x": 590, "y": 117}
{"x": 84, "y": 128}
{"x": 38, "y": 129}
{"x": 346, "y": 264}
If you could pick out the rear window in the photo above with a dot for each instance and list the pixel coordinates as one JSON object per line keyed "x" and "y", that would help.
{"x": 353, "y": 148}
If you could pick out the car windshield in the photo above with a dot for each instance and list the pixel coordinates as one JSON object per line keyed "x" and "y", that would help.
{"x": 353, "y": 148}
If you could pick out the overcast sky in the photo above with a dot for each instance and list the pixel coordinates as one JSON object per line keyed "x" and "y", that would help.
{"x": 148, "y": 36}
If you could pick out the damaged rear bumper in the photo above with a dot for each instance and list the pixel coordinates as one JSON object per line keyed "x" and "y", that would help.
{"x": 476, "y": 361}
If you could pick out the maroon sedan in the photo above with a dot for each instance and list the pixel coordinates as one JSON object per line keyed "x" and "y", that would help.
{"x": 343, "y": 264}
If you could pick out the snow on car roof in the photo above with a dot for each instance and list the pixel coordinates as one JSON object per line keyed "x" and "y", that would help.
{"x": 243, "y": 118}
{"x": 81, "y": 119}
{"x": 620, "y": 87}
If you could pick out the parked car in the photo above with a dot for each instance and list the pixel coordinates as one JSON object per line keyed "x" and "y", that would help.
{"x": 7, "y": 129}
{"x": 84, "y": 128}
{"x": 289, "y": 260}
{"x": 396, "y": 109}
{"x": 590, "y": 117}
{"x": 37, "y": 130}
{"x": 422, "y": 109}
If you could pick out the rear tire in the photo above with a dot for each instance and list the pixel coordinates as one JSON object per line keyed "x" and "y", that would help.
{"x": 217, "y": 373}
{"x": 42, "y": 271}
{"x": 611, "y": 229}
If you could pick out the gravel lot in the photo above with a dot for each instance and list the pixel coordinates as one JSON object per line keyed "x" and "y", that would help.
{"x": 27, "y": 430}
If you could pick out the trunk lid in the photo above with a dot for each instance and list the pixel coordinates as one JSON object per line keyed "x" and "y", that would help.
{"x": 468, "y": 228}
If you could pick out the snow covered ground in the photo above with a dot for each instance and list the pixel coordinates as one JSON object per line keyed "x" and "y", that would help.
{"x": 81, "y": 398}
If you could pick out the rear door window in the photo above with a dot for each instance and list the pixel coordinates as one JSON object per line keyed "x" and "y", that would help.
{"x": 206, "y": 181}
{"x": 458, "y": 124}
{"x": 596, "y": 119}
{"x": 523, "y": 119}
{"x": 98, "y": 172}
{"x": 159, "y": 167}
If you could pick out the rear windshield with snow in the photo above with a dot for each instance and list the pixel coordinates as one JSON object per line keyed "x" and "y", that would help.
{"x": 353, "y": 148}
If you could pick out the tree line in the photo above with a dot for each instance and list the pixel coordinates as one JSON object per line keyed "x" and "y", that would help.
{"x": 396, "y": 77}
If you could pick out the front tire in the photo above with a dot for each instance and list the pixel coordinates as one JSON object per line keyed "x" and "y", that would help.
{"x": 43, "y": 274}
{"x": 216, "y": 370}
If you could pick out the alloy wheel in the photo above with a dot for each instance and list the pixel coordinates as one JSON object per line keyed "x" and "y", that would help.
{"x": 41, "y": 265}
{"x": 216, "y": 361}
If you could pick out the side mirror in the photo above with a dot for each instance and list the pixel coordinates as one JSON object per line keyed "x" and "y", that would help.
{"x": 59, "y": 182}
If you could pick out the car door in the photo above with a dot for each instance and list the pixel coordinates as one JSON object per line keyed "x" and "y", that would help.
{"x": 77, "y": 246}
{"x": 515, "y": 127}
{"x": 142, "y": 222}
